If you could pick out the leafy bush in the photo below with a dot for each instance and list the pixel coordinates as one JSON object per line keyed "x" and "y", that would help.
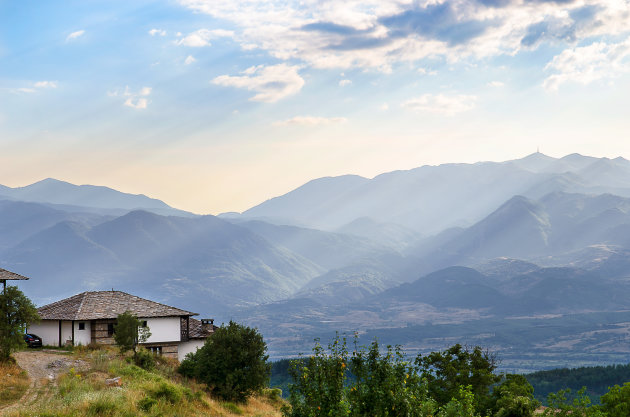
{"x": 128, "y": 332}
{"x": 380, "y": 384}
{"x": 386, "y": 384}
{"x": 462, "y": 405}
{"x": 274, "y": 394}
{"x": 561, "y": 406}
{"x": 458, "y": 382}
{"x": 167, "y": 392}
{"x": 319, "y": 383}
{"x": 616, "y": 403}
{"x": 144, "y": 359}
{"x": 514, "y": 397}
{"x": 458, "y": 366}
{"x": 232, "y": 363}
{"x": 146, "y": 403}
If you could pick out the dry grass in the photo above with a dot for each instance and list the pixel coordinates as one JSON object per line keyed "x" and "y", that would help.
{"x": 13, "y": 383}
{"x": 157, "y": 393}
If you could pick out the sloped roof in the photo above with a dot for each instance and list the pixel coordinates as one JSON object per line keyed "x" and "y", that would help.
{"x": 94, "y": 305}
{"x": 8, "y": 275}
{"x": 195, "y": 329}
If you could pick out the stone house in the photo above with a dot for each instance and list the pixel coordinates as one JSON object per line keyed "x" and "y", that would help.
{"x": 89, "y": 318}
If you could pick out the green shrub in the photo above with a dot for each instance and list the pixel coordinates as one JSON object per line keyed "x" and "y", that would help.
{"x": 232, "y": 363}
{"x": 144, "y": 359}
{"x": 167, "y": 392}
{"x": 319, "y": 383}
{"x": 616, "y": 402}
{"x": 102, "y": 407}
{"x": 386, "y": 384}
{"x": 128, "y": 332}
{"x": 146, "y": 403}
{"x": 274, "y": 394}
{"x": 459, "y": 366}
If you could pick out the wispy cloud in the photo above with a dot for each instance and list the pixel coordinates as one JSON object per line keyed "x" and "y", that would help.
{"x": 75, "y": 35}
{"x": 496, "y": 84}
{"x": 189, "y": 60}
{"x": 35, "y": 87}
{"x": 202, "y": 37}
{"x": 136, "y": 100}
{"x": 157, "y": 32}
{"x": 270, "y": 83}
{"x": 441, "y": 104}
{"x": 344, "y": 83}
{"x": 590, "y": 63}
{"x": 45, "y": 84}
{"x": 310, "y": 121}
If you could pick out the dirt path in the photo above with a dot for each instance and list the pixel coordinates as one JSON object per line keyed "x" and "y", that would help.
{"x": 42, "y": 368}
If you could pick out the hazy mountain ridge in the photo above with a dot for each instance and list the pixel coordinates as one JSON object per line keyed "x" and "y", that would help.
{"x": 87, "y": 198}
{"x": 213, "y": 264}
{"x": 417, "y": 198}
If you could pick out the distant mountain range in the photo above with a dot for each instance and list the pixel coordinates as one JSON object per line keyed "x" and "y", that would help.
{"x": 430, "y": 199}
{"x": 86, "y": 198}
{"x": 425, "y": 257}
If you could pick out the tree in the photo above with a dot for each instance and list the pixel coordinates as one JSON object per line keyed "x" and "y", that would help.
{"x": 458, "y": 366}
{"x": 129, "y": 331}
{"x": 319, "y": 385}
{"x": 232, "y": 362}
{"x": 16, "y": 311}
{"x": 386, "y": 385}
{"x": 616, "y": 402}
{"x": 514, "y": 397}
{"x": 561, "y": 406}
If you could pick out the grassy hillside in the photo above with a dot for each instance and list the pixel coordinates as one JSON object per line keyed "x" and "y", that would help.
{"x": 13, "y": 384}
{"x": 82, "y": 391}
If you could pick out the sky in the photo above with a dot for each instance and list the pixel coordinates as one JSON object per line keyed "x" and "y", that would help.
{"x": 218, "y": 105}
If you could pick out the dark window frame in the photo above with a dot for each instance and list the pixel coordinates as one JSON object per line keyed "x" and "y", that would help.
{"x": 81, "y": 325}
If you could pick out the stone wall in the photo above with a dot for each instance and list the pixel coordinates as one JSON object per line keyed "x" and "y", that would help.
{"x": 100, "y": 334}
{"x": 168, "y": 350}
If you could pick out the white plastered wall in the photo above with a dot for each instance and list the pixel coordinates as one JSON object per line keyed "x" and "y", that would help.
{"x": 48, "y": 330}
{"x": 66, "y": 332}
{"x": 163, "y": 329}
{"x": 185, "y": 348}
{"x": 82, "y": 337}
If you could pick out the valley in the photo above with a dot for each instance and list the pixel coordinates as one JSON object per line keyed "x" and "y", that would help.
{"x": 531, "y": 260}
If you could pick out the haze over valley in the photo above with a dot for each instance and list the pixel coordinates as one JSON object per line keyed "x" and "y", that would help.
{"x": 530, "y": 257}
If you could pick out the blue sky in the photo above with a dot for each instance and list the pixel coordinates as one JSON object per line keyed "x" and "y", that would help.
{"x": 216, "y": 105}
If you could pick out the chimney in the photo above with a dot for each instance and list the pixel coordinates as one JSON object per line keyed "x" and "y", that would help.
{"x": 207, "y": 325}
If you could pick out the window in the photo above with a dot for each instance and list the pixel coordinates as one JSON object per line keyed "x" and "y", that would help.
{"x": 110, "y": 329}
{"x": 144, "y": 323}
{"x": 81, "y": 325}
{"x": 155, "y": 349}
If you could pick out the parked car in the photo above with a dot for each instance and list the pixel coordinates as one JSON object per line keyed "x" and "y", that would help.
{"x": 32, "y": 340}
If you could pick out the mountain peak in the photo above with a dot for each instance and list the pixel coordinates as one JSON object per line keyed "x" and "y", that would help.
{"x": 534, "y": 162}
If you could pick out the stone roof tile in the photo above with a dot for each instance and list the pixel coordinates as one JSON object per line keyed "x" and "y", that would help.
{"x": 196, "y": 331}
{"x": 8, "y": 275}
{"x": 94, "y": 305}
